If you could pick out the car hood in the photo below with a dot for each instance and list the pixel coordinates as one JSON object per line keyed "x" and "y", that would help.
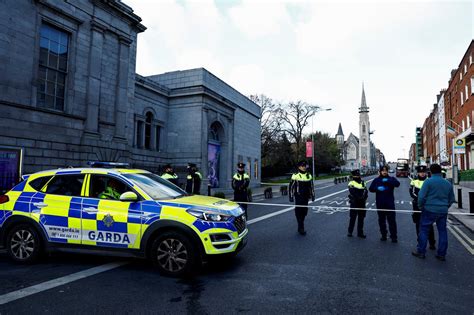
{"x": 204, "y": 202}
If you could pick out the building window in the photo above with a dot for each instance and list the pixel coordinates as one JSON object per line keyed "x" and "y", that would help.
{"x": 255, "y": 169}
{"x": 472, "y": 85}
{"x": 465, "y": 68}
{"x": 466, "y": 88}
{"x": 148, "y": 127}
{"x": 52, "y": 67}
{"x": 148, "y": 132}
{"x": 363, "y": 128}
{"x": 462, "y": 98}
{"x": 460, "y": 75}
{"x": 214, "y": 131}
{"x": 470, "y": 60}
{"x": 463, "y": 125}
{"x": 139, "y": 141}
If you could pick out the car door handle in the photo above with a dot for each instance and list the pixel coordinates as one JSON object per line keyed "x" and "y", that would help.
{"x": 39, "y": 204}
{"x": 90, "y": 210}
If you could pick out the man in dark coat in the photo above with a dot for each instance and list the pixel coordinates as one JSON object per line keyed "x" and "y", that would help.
{"x": 383, "y": 187}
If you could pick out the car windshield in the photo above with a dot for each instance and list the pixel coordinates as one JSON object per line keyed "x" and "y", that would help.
{"x": 155, "y": 186}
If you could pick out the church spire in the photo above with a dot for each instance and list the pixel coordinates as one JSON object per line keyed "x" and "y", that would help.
{"x": 339, "y": 131}
{"x": 363, "y": 104}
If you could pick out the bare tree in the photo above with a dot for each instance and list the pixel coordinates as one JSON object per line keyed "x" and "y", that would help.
{"x": 294, "y": 117}
{"x": 269, "y": 122}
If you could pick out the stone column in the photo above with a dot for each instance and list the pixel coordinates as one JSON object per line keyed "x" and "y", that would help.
{"x": 93, "y": 87}
{"x": 121, "y": 101}
{"x": 204, "y": 140}
{"x": 230, "y": 158}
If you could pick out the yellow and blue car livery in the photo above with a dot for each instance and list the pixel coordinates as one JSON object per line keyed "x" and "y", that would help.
{"x": 64, "y": 208}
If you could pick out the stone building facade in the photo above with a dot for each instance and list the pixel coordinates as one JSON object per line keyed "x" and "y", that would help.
{"x": 69, "y": 94}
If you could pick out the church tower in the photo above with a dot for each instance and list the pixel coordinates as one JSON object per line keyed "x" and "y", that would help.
{"x": 364, "y": 133}
{"x": 340, "y": 136}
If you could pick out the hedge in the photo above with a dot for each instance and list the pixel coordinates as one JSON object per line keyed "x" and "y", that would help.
{"x": 467, "y": 176}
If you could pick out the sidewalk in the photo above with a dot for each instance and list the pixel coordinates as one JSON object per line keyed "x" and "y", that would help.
{"x": 467, "y": 221}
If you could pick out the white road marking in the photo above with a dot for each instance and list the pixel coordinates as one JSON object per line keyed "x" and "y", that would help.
{"x": 463, "y": 234}
{"x": 19, "y": 294}
{"x": 460, "y": 239}
{"x": 267, "y": 216}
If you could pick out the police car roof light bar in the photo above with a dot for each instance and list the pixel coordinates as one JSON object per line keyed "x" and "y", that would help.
{"x": 107, "y": 164}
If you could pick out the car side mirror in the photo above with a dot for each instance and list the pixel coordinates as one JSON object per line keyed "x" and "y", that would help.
{"x": 128, "y": 196}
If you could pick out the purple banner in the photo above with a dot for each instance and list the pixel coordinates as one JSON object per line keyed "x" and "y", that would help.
{"x": 10, "y": 166}
{"x": 213, "y": 157}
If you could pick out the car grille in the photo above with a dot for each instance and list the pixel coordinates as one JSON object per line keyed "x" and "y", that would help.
{"x": 240, "y": 223}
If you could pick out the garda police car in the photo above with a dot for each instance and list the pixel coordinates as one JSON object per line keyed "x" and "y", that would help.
{"x": 118, "y": 209}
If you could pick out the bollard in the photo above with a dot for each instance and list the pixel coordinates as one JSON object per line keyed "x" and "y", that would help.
{"x": 459, "y": 198}
{"x": 208, "y": 190}
{"x": 471, "y": 202}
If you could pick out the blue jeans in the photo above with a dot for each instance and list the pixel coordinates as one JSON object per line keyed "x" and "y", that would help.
{"x": 427, "y": 220}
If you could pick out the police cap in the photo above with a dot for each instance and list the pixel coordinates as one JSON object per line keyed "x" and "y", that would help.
{"x": 302, "y": 163}
{"x": 240, "y": 165}
{"x": 191, "y": 165}
{"x": 355, "y": 173}
{"x": 421, "y": 168}
{"x": 168, "y": 166}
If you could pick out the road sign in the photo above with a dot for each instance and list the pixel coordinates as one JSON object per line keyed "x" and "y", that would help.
{"x": 460, "y": 146}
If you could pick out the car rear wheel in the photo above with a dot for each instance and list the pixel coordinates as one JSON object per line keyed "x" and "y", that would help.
{"x": 174, "y": 254}
{"x": 23, "y": 244}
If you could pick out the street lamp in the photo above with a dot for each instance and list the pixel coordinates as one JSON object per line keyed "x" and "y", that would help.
{"x": 312, "y": 134}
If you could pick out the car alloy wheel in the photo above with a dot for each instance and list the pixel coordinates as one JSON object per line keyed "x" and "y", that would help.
{"x": 23, "y": 244}
{"x": 172, "y": 255}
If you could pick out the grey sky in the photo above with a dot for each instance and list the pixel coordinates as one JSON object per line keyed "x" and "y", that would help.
{"x": 320, "y": 52}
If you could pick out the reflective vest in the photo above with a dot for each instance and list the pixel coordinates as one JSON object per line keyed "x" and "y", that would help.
{"x": 191, "y": 177}
{"x": 238, "y": 176}
{"x": 110, "y": 193}
{"x": 169, "y": 176}
{"x": 306, "y": 177}
{"x": 354, "y": 184}
{"x": 417, "y": 183}
{"x": 301, "y": 184}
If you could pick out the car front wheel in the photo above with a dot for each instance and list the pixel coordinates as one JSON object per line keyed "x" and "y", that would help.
{"x": 174, "y": 254}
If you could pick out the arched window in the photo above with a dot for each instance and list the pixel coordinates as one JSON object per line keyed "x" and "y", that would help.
{"x": 214, "y": 131}
{"x": 147, "y": 132}
{"x": 363, "y": 128}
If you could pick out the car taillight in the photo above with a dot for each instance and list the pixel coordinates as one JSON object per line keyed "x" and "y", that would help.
{"x": 4, "y": 199}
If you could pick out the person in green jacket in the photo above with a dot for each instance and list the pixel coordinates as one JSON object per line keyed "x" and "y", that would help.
{"x": 111, "y": 191}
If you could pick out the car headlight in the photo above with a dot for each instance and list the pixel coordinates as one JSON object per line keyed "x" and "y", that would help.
{"x": 208, "y": 215}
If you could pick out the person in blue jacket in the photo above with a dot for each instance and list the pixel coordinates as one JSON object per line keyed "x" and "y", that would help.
{"x": 383, "y": 187}
{"x": 434, "y": 200}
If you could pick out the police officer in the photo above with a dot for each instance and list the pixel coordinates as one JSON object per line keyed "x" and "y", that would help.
{"x": 358, "y": 195}
{"x": 193, "y": 180}
{"x": 170, "y": 175}
{"x": 301, "y": 188}
{"x": 415, "y": 187}
{"x": 240, "y": 185}
{"x": 111, "y": 191}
